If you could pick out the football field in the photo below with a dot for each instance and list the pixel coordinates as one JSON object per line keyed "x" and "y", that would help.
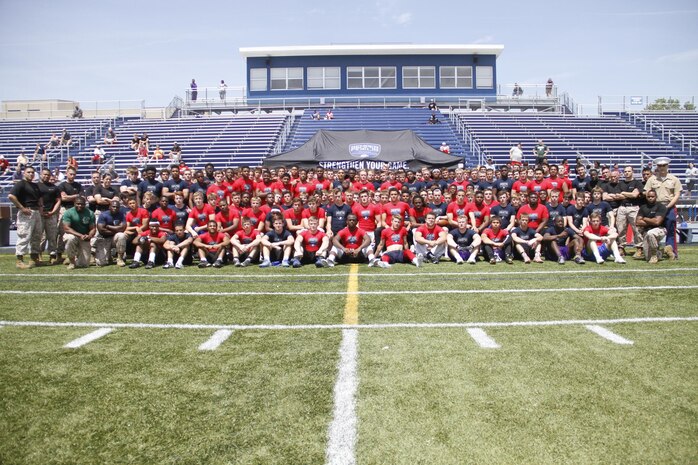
{"x": 445, "y": 364}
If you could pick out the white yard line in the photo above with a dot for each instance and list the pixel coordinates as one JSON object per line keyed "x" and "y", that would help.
{"x": 218, "y": 338}
{"x": 87, "y": 338}
{"x": 387, "y": 292}
{"x": 482, "y": 339}
{"x": 492, "y": 324}
{"x": 289, "y": 273}
{"x": 610, "y": 335}
{"x": 342, "y": 431}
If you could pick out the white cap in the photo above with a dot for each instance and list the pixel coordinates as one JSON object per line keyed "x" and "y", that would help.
{"x": 662, "y": 161}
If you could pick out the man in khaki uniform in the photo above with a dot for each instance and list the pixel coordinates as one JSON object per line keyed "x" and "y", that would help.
{"x": 668, "y": 188}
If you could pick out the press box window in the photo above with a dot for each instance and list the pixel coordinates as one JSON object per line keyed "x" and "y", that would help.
{"x": 323, "y": 78}
{"x": 456, "y": 77}
{"x": 418, "y": 77}
{"x": 371, "y": 77}
{"x": 258, "y": 79}
{"x": 484, "y": 77}
{"x": 287, "y": 79}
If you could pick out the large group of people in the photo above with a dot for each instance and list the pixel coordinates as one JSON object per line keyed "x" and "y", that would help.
{"x": 294, "y": 217}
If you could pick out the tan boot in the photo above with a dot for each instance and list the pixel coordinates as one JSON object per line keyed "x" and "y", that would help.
{"x": 639, "y": 255}
{"x": 669, "y": 252}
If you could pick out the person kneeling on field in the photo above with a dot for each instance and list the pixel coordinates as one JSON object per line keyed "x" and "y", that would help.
{"x": 394, "y": 241}
{"x": 245, "y": 243}
{"x": 497, "y": 242}
{"x": 430, "y": 239}
{"x": 463, "y": 242}
{"x": 527, "y": 241}
{"x": 277, "y": 243}
{"x": 650, "y": 220}
{"x": 559, "y": 239}
{"x": 110, "y": 233}
{"x": 150, "y": 241}
{"x": 600, "y": 241}
{"x": 311, "y": 246}
{"x": 212, "y": 246}
{"x": 178, "y": 244}
{"x": 350, "y": 244}
{"x": 79, "y": 229}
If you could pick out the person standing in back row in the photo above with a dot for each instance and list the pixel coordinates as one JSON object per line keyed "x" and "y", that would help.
{"x": 222, "y": 88}
{"x": 194, "y": 92}
{"x": 26, "y": 196}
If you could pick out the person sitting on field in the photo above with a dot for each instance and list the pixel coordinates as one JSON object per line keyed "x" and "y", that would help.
{"x": 497, "y": 243}
{"x": 430, "y": 239}
{"x": 600, "y": 241}
{"x": 560, "y": 242}
{"x": 350, "y": 244}
{"x": 527, "y": 241}
{"x": 650, "y": 220}
{"x": 463, "y": 242}
{"x": 394, "y": 241}
{"x": 277, "y": 243}
{"x": 178, "y": 244}
{"x": 245, "y": 243}
{"x": 212, "y": 246}
{"x": 150, "y": 241}
{"x": 110, "y": 233}
{"x": 311, "y": 246}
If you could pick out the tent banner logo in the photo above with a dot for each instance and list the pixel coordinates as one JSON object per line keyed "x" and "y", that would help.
{"x": 363, "y": 165}
{"x": 364, "y": 150}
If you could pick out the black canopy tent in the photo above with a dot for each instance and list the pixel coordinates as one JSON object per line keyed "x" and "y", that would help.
{"x": 364, "y": 149}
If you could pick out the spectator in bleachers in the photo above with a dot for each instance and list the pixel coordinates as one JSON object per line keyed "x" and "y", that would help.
{"x": 135, "y": 142}
{"x": 432, "y": 105}
{"x": 316, "y": 115}
{"x": 549, "y": 88}
{"x": 691, "y": 178}
{"x": 53, "y": 142}
{"x": 222, "y": 88}
{"x": 4, "y": 164}
{"x": 516, "y": 155}
{"x": 71, "y": 163}
{"x": 518, "y": 91}
{"x": 433, "y": 119}
{"x": 110, "y": 137}
{"x": 66, "y": 138}
{"x": 445, "y": 148}
{"x": 540, "y": 152}
{"x": 98, "y": 155}
{"x": 158, "y": 153}
{"x": 176, "y": 154}
{"x": 22, "y": 160}
{"x": 329, "y": 115}
{"x": 40, "y": 156}
{"x": 193, "y": 90}
{"x": 77, "y": 113}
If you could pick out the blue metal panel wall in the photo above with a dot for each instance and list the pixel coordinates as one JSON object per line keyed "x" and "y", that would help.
{"x": 372, "y": 60}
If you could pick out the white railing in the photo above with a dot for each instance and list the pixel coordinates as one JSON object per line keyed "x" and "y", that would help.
{"x": 631, "y": 103}
{"x": 91, "y": 109}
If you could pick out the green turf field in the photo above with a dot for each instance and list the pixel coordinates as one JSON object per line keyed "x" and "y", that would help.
{"x": 275, "y": 388}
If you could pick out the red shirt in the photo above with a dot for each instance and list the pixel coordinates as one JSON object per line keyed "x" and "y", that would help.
{"x": 602, "y": 231}
{"x": 457, "y": 210}
{"x": 307, "y": 187}
{"x": 202, "y": 216}
{"x": 255, "y": 218}
{"x": 391, "y": 237}
{"x": 295, "y": 218}
{"x": 227, "y": 220}
{"x": 366, "y": 215}
{"x": 430, "y": 234}
{"x": 147, "y": 234}
{"x": 460, "y": 185}
{"x": 320, "y": 186}
{"x": 419, "y": 215}
{"x": 521, "y": 186}
{"x": 535, "y": 216}
{"x": 221, "y": 191}
{"x": 537, "y": 186}
{"x": 480, "y": 212}
{"x": 319, "y": 213}
{"x": 351, "y": 240}
{"x": 312, "y": 241}
{"x": 358, "y": 186}
{"x": 140, "y": 218}
{"x": 214, "y": 239}
{"x": 261, "y": 186}
{"x": 165, "y": 217}
{"x": 400, "y": 209}
{"x": 388, "y": 184}
{"x": 245, "y": 238}
{"x": 555, "y": 183}
{"x": 280, "y": 186}
{"x": 500, "y": 236}
{"x": 243, "y": 185}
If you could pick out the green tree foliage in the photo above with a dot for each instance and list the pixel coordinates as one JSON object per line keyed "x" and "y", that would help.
{"x": 670, "y": 104}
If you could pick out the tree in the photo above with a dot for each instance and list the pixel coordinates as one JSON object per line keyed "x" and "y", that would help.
{"x": 670, "y": 104}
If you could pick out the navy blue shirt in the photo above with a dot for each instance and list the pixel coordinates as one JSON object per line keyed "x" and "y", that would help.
{"x": 504, "y": 214}
{"x": 338, "y": 215}
{"x": 463, "y": 239}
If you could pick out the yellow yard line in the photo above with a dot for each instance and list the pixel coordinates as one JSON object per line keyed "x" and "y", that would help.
{"x": 351, "y": 310}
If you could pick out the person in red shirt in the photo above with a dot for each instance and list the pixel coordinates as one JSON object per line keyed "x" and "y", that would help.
{"x": 349, "y": 244}
{"x": 537, "y": 213}
{"x": 320, "y": 182}
{"x": 369, "y": 216}
{"x": 394, "y": 242}
{"x": 539, "y": 183}
{"x": 457, "y": 208}
{"x": 313, "y": 210}
{"x": 218, "y": 188}
{"x": 478, "y": 213}
{"x": 363, "y": 183}
{"x": 151, "y": 240}
{"x": 245, "y": 243}
{"x": 255, "y": 213}
{"x": 555, "y": 182}
{"x": 521, "y": 186}
{"x": 294, "y": 216}
{"x": 137, "y": 219}
{"x": 228, "y": 218}
{"x": 244, "y": 183}
{"x": 265, "y": 186}
{"x": 430, "y": 240}
{"x": 391, "y": 182}
{"x": 394, "y": 207}
{"x": 212, "y": 246}
{"x": 311, "y": 246}
{"x": 600, "y": 241}
{"x": 303, "y": 185}
{"x": 164, "y": 215}
{"x": 200, "y": 215}
{"x": 283, "y": 184}
{"x": 497, "y": 243}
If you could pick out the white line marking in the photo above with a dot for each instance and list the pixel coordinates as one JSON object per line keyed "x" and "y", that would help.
{"x": 610, "y": 335}
{"x": 342, "y": 430}
{"x": 493, "y": 324}
{"x": 87, "y": 338}
{"x": 217, "y": 339}
{"x": 298, "y": 294}
{"x": 482, "y": 339}
{"x": 141, "y": 276}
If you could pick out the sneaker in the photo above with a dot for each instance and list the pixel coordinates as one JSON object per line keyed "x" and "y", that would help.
{"x": 509, "y": 260}
{"x": 236, "y": 262}
{"x": 435, "y": 260}
{"x": 246, "y": 262}
{"x": 167, "y": 266}
{"x": 526, "y": 259}
{"x": 653, "y": 260}
{"x": 418, "y": 260}
{"x": 600, "y": 261}
{"x": 133, "y": 266}
{"x": 498, "y": 258}
{"x": 669, "y": 252}
{"x": 178, "y": 266}
{"x": 330, "y": 263}
{"x": 459, "y": 262}
{"x": 321, "y": 263}
{"x": 382, "y": 264}
{"x": 296, "y": 263}
{"x": 218, "y": 264}
{"x": 620, "y": 260}
{"x": 579, "y": 260}
{"x": 120, "y": 262}
{"x": 285, "y": 263}
{"x": 149, "y": 265}
{"x": 472, "y": 261}
{"x": 204, "y": 264}
{"x": 537, "y": 259}
{"x": 373, "y": 262}
{"x": 493, "y": 261}
{"x": 639, "y": 254}
{"x": 561, "y": 260}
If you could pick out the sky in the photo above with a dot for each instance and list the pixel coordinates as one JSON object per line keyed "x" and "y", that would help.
{"x": 151, "y": 49}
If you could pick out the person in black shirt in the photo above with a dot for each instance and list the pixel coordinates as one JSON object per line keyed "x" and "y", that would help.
{"x": 650, "y": 219}
{"x": 26, "y": 196}
{"x": 51, "y": 198}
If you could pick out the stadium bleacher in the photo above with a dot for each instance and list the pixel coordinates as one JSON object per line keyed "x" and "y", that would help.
{"x": 388, "y": 119}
